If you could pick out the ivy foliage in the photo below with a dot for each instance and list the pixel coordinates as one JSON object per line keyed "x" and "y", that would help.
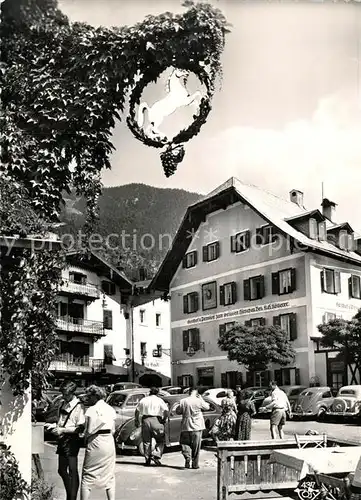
{"x": 65, "y": 85}
{"x": 256, "y": 348}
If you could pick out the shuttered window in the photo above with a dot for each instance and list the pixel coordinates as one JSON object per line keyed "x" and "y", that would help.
{"x": 287, "y": 323}
{"x": 330, "y": 281}
{"x": 240, "y": 241}
{"x": 254, "y": 288}
{"x": 211, "y": 252}
{"x": 190, "y": 303}
{"x": 191, "y": 338}
{"x": 284, "y": 281}
{"x": 228, "y": 294}
{"x": 354, "y": 284}
{"x": 225, "y": 327}
{"x": 108, "y": 319}
{"x": 108, "y": 288}
{"x": 265, "y": 235}
{"x": 190, "y": 259}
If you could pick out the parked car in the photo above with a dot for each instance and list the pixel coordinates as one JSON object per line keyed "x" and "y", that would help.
{"x": 313, "y": 402}
{"x": 216, "y": 395}
{"x": 172, "y": 389}
{"x": 125, "y": 441}
{"x": 346, "y": 404}
{"x": 201, "y": 389}
{"x": 256, "y": 395}
{"x": 120, "y": 386}
{"x": 125, "y": 402}
{"x": 292, "y": 392}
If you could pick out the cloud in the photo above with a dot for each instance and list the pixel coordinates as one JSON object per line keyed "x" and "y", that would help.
{"x": 302, "y": 155}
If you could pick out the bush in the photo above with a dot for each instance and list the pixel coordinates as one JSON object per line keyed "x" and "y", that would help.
{"x": 12, "y": 485}
{"x": 40, "y": 489}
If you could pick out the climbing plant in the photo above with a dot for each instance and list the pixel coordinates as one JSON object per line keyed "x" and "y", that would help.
{"x": 65, "y": 85}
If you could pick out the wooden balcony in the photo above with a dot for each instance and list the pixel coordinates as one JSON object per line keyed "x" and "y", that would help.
{"x": 83, "y": 290}
{"x": 80, "y": 326}
{"x": 67, "y": 362}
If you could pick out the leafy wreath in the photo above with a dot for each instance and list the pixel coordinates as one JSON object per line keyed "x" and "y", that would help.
{"x": 174, "y": 151}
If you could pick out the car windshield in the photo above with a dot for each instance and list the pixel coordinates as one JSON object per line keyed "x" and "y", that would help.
{"x": 116, "y": 399}
{"x": 306, "y": 393}
{"x": 349, "y": 392}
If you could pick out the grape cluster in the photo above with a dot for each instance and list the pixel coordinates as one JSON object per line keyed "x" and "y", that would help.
{"x": 170, "y": 159}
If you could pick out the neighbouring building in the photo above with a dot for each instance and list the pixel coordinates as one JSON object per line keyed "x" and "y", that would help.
{"x": 93, "y": 331}
{"x": 242, "y": 254}
{"x": 151, "y": 338}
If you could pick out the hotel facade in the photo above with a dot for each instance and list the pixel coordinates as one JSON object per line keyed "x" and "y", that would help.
{"x": 243, "y": 255}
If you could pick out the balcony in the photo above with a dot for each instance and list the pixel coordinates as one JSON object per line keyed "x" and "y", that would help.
{"x": 83, "y": 290}
{"x": 67, "y": 362}
{"x": 80, "y": 326}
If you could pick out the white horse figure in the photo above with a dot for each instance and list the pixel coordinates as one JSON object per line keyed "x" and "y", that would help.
{"x": 177, "y": 96}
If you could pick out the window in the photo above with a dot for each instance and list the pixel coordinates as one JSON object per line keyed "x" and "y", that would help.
{"x": 108, "y": 287}
{"x": 265, "y": 235}
{"x": 240, "y": 241}
{"x": 134, "y": 400}
{"x": 143, "y": 349}
{"x": 108, "y": 354}
{"x": 190, "y": 259}
{"x": 190, "y": 303}
{"x": 108, "y": 319}
{"x": 331, "y": 281}
{"x": 328, "y": 317}
{"x": 327, "y": 394}
{"x": 78, "y": 278}
{"x": 157, "y": 319}
{"x": 355, "y": 287}
{"x": 226, "y": 327}
{"x": 228, "y": 294}
{"x": 116, "y": 400}
{"x": 253, "y": 323}
{"x": 284, "y": 282}
{"x": 159, "y": 351}
{"x": 253, "y": 288}
{"x": 191, "y": 338}
{"x": 142, "y": 315}
{"x": 287, "y": 323}
{"x": 209, "y": 295}
{"x": 211, "y": 252}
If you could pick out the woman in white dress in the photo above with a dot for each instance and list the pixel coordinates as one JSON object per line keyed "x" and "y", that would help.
{"x": 99, "y": 460}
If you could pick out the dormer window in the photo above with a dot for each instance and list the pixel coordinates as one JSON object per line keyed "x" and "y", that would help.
{"x": 342, "y": 236}
{"x": 313, "y": 228}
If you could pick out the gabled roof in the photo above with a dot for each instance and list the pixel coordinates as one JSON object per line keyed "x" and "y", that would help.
{"x": 311, "y": 213}
{"x": 273, "y": 209}
{"x": 92, "y": 261}
{"x": 339, "y": 227}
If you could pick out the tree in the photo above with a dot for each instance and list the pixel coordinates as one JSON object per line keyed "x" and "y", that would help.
{"x": 345, "y": 335}
{"x": 64, "y": 85}
{"x": 255, "y": 348}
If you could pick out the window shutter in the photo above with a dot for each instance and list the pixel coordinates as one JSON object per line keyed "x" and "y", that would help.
{"x": 262, "y": 287}
{"x": 259, "y": 235}
{"x": 180, "y": 380}
{"x": 234, "y": 292}
{"x": 205, "y": 253}
{"x": 277, "y": 321}
{"x": 195, "y": 257}
{"x": 233, "y": 243}
{"x": 221, "y": 295}
{"x": 196, "y": 302}
{"x": 196, "y": 337}
{"x": 185, "y": 304}
{"x": 185, "y": 340}
{"x": 293, "y": 279}
{"x": 263, "y": 321}
{"x": 184, "y": 262}
{"x": 275, "y": 284}
{"x": 247, "y": 290}
{"x": 350, "y": 289}
{"x": 323, "y": 287}
{"x": 247, "y": 239}
{"x": 313, "y": 229}
{"x": 224, "y": 380}
{"x": 218, "y": 249}
{"x": 293, "y": 326}
{"x": 278, "y": 376}
{"x": 297, "y": 376}
{"x": 337, "y": 278}
{"x": 322, "y": 233}
{"x": 222, "y": 329}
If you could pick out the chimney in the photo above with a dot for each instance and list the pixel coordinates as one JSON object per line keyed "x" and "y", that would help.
{"x": 296, "y": 197}
{"x": 328, "y": 209}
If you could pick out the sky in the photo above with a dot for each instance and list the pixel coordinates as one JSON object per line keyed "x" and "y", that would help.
{"x": 287, "y": 115}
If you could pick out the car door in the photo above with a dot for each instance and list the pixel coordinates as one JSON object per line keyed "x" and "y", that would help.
{"x": 130, "y": 404}
{"x": 173, "y": 427}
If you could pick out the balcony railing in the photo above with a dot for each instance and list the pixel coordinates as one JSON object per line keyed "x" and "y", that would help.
{"x": 81, "y": 289}
{"x": 80, "y": 325}
{"x": 69, "y": 362}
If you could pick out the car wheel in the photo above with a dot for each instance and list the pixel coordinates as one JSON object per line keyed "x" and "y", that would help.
{"x": 321, "y": 415}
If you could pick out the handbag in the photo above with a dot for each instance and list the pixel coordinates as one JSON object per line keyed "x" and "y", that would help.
{"x": 80, "y": 440}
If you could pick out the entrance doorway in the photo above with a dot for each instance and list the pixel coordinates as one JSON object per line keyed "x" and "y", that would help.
{"x": 206, "y": 376}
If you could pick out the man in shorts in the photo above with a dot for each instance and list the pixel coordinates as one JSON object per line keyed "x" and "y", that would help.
{"x": 279, "y": 407}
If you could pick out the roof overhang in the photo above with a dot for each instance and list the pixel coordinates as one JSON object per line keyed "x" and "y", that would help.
{"x": 313, "y": 214}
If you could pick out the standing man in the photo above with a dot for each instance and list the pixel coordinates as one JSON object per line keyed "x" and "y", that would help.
{"x": 71, "y": 421}
{"x": 192, "y": 427}
{"x": 152, "y": 413}
{"x": 280, "y": 406}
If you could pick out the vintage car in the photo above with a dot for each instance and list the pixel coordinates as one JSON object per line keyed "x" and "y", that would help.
{"x": 292, "y": 392}
{"x": 216, "y": 395}
{"x": 120, "y": 386}
{"x": 127, "y": 439}
{"x": 125, "y": 402}
{"x": 256, "y": 395}
{"x": 347, "y": 403}
{"x": 172, "y": 389}
{"x": 313, "y": 402}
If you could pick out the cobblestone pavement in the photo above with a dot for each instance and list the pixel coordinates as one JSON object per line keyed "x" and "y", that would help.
{"x": 136, "y": 482}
